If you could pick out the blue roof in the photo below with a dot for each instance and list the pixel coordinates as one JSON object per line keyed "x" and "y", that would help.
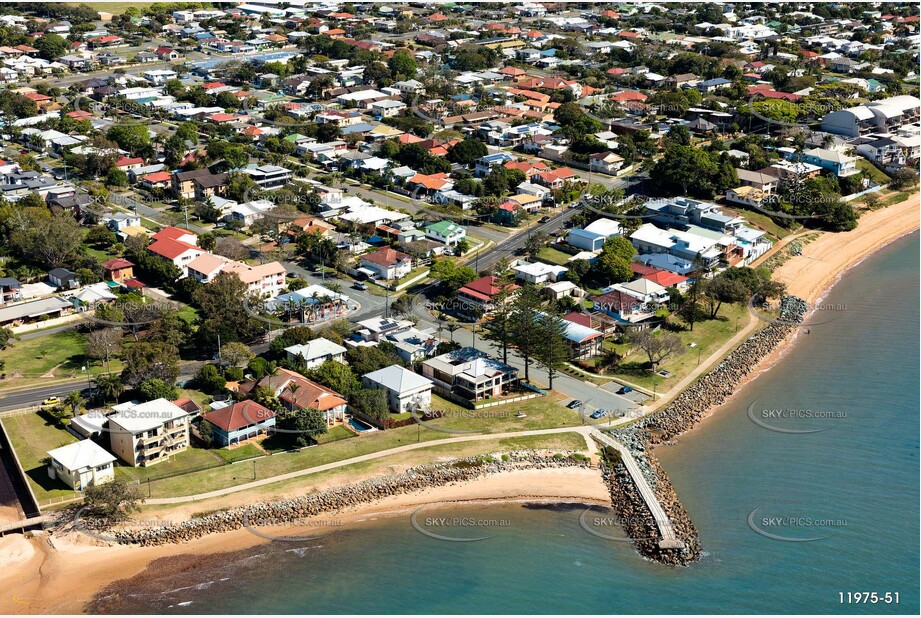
{"x": 361, "y": 127}
{"x": 499, "y": 156}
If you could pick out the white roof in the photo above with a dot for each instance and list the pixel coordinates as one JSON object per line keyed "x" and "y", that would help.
{"x": 398, "y": 379}
{"x": 538, "y": 268}
{"x": 80, "y": 455}
{"x": 138, "y": 417}
{"x": 605, "y": 227}
{"x": 643, "y": 286}
{"x": 317, "y": 348}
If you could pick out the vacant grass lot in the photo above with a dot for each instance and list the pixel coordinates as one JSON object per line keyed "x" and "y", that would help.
{"x": 553, "y": 256}
{"x": 32, "y": 437}
{"x": 35, "y": 357}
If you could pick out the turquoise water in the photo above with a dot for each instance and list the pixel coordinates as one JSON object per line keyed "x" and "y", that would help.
{"x": 860, "y": 477}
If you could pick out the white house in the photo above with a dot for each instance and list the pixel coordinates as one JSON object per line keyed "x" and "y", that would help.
{"x": 316, "y": 352}
{"x": 143, "y": 434}
{"x": 446, "y": 232}
{"x": 405, "y": 389}
{"x": 538, "y": 272}
{"x": 81, "y": 464}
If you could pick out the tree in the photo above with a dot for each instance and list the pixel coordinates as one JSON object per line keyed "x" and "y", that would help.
{"x": 306, "y": 424}
{"x": 523, "y": 320}
{"x": 371, "y": 402}
{"x": 402, "y": 65}
{"x": 365, "y": 360}
{"x": 620, "y": 246}
{"x": 206, "y": 432}
{"x": 451, "y": 274}
{"x": 73, "y": 401}
{"x": 145, "y": 360}
{"x": 613, "y": 267}
{"x": 499, "y": 328}
{"x": 210, "y": 380}
{"x": 113, "y": 501}
{"x": 6, "y": 335}
{"x": 110, "y": 387}
{"x": 131, "y": 137}
{"x": 51, "y": 46}
{"x": 552, "y": 350}
{"x": 467, "y": 151}
{"x": 236, "y": 354}
{"x": 721, "y": 290}
{"x": 51, "y": 241}
{"x": 335, "y": 376}
{"x": 102, "y": 344}
{"x": 657, "y": 345}
{"x": 227, "y": 311}
{"x": 155, "y": 388}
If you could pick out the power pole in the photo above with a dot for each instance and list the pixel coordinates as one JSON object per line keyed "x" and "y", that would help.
{"x": 220, "y": 360}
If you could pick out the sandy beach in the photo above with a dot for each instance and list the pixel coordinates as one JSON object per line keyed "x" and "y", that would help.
{"x": 63, "y": 575}
{"x": 60, "y": 574}
{"x": 827, "y": 258}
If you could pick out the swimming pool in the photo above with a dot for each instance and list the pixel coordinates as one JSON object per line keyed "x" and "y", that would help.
{"x": 358, "y": 425}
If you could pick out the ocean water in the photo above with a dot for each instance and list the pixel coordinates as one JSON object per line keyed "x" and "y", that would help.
{"x": 853, "y": 486}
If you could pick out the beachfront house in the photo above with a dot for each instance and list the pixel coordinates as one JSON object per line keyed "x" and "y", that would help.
{"x": 81, "y": 464}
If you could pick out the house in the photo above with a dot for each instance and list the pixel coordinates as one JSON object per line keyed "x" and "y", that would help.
{"x": 485, "y": 163}
{"x": 526, "y": 202}
{"x": 835, "y": 161}
{"x": 243, "y": 420}
{"x": 81, "y": 464}
{"x": 882, "y": 150}
{"x": 316, "y": 352}
{"x": 538, "y": 272}
{"x": 63, "y": 278}
{"x": 446, "y": 232}
{"x": 176, "y": 245}
{"x": 562, "y": 289}
{"x": 583, "y": 342}
{"x": 592, "y": 236}
{"x": 386, "y": 264}
{"x": 387, "y": 108}
{"x": 766, "y": 183}
{"x": 34, "y": 310}
{"x": 479, "y": 296}
{"x": 406, "y": 391}
{"x": 605, "y": 162}
{"x": 118, "y": 270}
{"x": 298, "y": 393}
{"x": 269, "y": 176}
{"x": 469, "y": 373}
{"x": 555, "y": 179}
{"x": 748, "y": 196}
{"x": 263, "y": 280}
{"x": 10, "y": 290}
{"x": 882, "y": 114}
{"x": 144, "y": 434}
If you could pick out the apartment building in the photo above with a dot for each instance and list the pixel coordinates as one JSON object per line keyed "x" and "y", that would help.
{"x": 144, "y": 434}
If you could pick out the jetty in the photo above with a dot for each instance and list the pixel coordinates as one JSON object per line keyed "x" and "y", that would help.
{"x": 669, "y": 539}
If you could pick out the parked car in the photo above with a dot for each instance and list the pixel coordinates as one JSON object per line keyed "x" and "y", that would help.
{"x": 51, "y": 401}
{"x": 599, "y": 413}
{"x": 360, "y": 285}
{"x": 575, "y": 403}
{"x": 294, "y": 275}
{"x": 624, "y": 390}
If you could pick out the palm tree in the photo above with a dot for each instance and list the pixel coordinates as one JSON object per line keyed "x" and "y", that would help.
{"x": 110, "y": 386}
{"x": 74, "y": 400}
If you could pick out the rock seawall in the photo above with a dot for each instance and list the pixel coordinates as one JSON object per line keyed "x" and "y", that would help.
{"x": 682, "y": 414}
{"x": 296, "y": 510}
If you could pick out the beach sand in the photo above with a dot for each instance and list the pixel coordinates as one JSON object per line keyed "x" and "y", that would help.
{"x": 62, "y": 573}
{"x": 62, "y": 576}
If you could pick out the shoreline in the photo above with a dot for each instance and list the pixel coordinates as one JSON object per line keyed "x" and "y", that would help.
{"x": 61, "y": 561}
{"x": 75, "y": 571}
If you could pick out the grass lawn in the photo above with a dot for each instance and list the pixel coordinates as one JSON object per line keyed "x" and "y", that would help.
{"x": 247, "y": 451}
{"x": 189, "y": 460}
{"x": 709, "y": 335}
{"x": 99, "y": 254}
{"x": 553, "y": 256}
{"x": 542, "y": 413}
{"x": 339, "y": 432}
{"x": 878, "y": 176}
{"x": 116, "y": 8}
{"x": 189, "y": 314}
{"x": 415, "y": 272}
{"x": 435, "y": 453}
{"x": 34, "y": 357}
{"x": 32, "y": 437}
{"x": 763, "y": 222}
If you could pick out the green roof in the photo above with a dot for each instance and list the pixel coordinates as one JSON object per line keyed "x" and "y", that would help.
{"x": 443, "y": 228}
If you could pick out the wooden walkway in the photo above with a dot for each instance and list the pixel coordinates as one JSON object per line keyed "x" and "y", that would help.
{"x": 24, "y": 524}
{"x": 669, "y": 539}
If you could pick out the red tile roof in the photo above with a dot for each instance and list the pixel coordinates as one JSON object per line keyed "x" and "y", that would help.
{"x": 385, "y": 257}
{"x": 117, "y": 263}
{"x": 485, "y": 286}
{"x": 239, "y": 415}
